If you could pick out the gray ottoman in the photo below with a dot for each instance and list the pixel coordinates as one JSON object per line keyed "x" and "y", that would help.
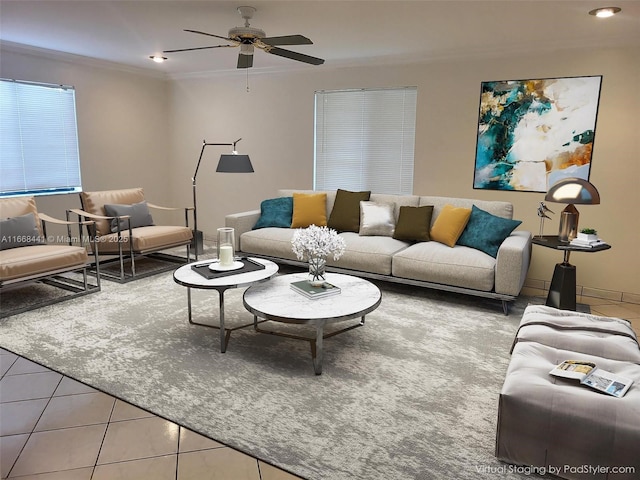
{"x": 606, "y": 337}
{"x": 558, "y": 425}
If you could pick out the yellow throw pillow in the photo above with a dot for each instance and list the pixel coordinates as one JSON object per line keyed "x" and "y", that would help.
{"x": 450, "y": 224}
{"x": 309, "y": 209}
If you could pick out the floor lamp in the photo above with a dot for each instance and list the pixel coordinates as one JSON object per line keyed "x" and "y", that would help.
{"x": 228, "y": 163}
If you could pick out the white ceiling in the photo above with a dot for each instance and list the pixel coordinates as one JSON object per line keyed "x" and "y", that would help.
{"x": 344, "y": 32}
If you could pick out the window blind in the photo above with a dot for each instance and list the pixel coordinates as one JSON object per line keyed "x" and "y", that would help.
{"x": 364, "y": 139}
{"x": 39, "y": 148}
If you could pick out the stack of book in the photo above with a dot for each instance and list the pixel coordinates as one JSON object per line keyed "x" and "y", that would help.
{"x": 310, "y": 291}
{"x": 578, "y": 242}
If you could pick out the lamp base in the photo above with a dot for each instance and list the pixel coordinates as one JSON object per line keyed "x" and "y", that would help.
{"x": 197, "y": 242}
{"x": 568, "y": 223}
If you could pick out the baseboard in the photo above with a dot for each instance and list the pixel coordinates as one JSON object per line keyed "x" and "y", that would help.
{"x": 616, "y": 296}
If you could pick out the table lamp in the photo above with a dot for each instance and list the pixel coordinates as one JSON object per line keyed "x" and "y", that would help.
{"x": 572, "y": 191}
{"x": 228, "y": 163}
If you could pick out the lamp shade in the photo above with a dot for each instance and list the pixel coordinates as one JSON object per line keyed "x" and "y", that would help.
{"x": 573, "y": 190}
{"x": 234, "y": 163}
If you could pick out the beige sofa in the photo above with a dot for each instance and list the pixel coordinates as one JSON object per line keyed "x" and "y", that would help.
{"x": 429, "y": 264}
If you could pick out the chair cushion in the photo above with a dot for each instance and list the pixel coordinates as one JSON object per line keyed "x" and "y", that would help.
{"x": 40, "y": 259}
{"x": 486, "y": 232}
{"x": 309, "y": 209}
{"x": 377, "y": 219}
{"x": 19, "y": 231}
{"x": 16, "y": 206}
{"x": 138, "y": 213}
{"x": 345, "y": 215}
{"x": 93, "y": 202}
{"x": 146, "y": 239}
{"x": 275, "y": 212}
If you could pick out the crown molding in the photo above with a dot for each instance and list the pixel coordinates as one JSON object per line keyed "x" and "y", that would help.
{"x": 78, "y": 59}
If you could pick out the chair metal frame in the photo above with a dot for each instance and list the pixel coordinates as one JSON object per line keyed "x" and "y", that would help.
{"x": 130, "y": 253}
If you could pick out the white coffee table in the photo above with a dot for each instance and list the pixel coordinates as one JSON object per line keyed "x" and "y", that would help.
{"x": 189, "y": 278}
{"x": 276, "y": 301}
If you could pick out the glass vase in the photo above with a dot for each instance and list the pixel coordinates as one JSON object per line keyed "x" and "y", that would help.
{"x": 226, "y": 243}
{"x": 317, "y": 267}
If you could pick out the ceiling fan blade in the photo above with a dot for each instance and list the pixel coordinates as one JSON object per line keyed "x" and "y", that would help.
{"x": 210, "y": 35}
{"x": 195, "y": 48}
{"x": 295, "y": 56}
{"x": 287, "y": 40}
{"x": 245, "y": 61}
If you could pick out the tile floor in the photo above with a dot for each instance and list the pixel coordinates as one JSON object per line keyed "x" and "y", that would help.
{"x": 54, "y": 428}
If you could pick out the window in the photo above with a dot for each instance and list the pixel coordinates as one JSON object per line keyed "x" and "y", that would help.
{"x": 364, "y": 140}
{"x": 39, "y": 147}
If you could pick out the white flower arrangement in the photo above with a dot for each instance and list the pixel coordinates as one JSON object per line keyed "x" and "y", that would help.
{"x": 315, "y": 241}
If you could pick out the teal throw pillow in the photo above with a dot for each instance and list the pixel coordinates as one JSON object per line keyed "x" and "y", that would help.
{"x": 275, "y": 212}
{"x": 486, "y": 232}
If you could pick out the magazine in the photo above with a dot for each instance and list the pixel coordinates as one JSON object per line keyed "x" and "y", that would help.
{"x": 577, "y": 242}
{"x": 305, "y": 288}
{"x": 593, "y": 377}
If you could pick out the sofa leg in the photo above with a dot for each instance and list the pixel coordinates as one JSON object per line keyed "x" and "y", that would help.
{"x": 505, "y": 307}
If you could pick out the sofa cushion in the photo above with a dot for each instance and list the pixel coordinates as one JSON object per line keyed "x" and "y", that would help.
{"x": 458, "y": 266}
{"x": 19, "y": 231}
{"x": 309, "y": 209}
{"x": 397, "y": 200}
{"x": 449, "y": 225}
{"x": 269, "y": 241}
{"x": 414, "y": 223}
{"x": 345, "y": 215}
{"x": 377, "y": 219}
{"x": 486, "y": 232}
{"x": 139, "y": 215}
{"x": 501, "y": 209}
{"x": 275, "y": 212}
{"x": 368, "y": 254}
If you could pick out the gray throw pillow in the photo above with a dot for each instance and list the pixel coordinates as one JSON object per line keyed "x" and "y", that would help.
{"x": 139, "y": 213}
{"x": 20, "y": 231}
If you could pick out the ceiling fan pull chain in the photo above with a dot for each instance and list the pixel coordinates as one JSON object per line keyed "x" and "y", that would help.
{"x": 247, "y": 80}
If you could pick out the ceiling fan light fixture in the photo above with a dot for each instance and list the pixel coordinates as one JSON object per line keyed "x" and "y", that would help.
{"x": 605, "y": 12}
{"x": 158, "y": 58}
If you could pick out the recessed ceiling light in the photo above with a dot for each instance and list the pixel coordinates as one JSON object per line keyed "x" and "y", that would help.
{"x": 157, "y": 58}
{"x": 605, "y": 12}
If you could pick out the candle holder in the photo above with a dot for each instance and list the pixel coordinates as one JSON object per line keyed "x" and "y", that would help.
{"x": 226, "y": 246}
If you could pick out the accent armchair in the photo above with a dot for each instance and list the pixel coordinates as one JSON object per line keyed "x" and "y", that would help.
{"x": 124, "y": 227}
{"x": 27, "y": 257}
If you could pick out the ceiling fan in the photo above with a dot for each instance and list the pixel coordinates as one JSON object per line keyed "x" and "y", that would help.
{"x": 248, "y": 37}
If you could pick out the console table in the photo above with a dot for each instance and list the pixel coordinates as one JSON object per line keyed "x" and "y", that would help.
{"x": 562, "y": 292}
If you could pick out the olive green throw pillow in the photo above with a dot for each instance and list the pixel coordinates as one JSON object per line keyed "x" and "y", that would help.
{"x": 345, "y": 215}
{"x": 413, "y": 223}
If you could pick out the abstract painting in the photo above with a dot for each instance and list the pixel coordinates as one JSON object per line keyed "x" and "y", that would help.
{"x": 532, "y": 133}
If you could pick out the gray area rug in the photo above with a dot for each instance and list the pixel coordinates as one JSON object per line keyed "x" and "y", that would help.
{"x": 411, "y": 395}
